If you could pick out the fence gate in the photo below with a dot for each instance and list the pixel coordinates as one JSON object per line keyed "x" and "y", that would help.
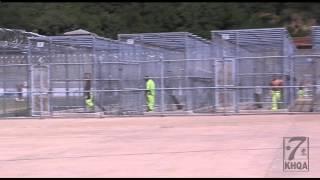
{"x": 39, "y": 90}
{"x": 225, "y": 76}
{"x": 132, "y": 101}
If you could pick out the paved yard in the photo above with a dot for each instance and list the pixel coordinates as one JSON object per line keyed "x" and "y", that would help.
{"x": 189, "y": 146}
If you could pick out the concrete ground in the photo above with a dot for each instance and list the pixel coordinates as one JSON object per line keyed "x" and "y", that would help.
{"x": 184, "y": 146}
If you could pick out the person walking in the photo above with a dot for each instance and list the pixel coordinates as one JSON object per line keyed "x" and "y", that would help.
{"x": 87, "y": 92}
{"x": 276, "y": 87}
{"x": 150, "y": 93}
{"x": 301, "y": 92}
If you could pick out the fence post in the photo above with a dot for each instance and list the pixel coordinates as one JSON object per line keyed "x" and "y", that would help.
{"x": 29, "y": 89}
{"x": 236, "y": 74}
{"x": 49, "y": 79}
{"x": 162, "y": 83}
{"x": 186, "y": 73}
{"x": 4, "y": 87}
{"x": 94, "y": 75}
{"x": 121, "y": 78}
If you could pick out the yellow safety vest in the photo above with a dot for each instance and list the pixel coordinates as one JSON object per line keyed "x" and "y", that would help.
{"x": 151, "y": 87}
{"x": 89, "y": 102}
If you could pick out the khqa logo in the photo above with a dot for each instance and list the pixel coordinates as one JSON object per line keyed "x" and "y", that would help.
{"x": 296, "y": 154}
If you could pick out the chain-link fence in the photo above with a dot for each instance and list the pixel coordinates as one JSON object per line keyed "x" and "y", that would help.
{"x": 14, "y": 72}
{"x": 55, "y": 75}
{"x": 87, "y": 65}
{"x": 182, "y": 69}
{"x": 251, "y": 58}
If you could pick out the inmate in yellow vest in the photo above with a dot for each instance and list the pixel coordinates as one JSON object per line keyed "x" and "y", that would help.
{"x": 151, "y": 93}
{"x": 151, "y": 86}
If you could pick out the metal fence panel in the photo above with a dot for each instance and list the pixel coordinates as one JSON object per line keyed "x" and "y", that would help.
{"x": 256, "y": 56}
{"x": 229, "y": 74}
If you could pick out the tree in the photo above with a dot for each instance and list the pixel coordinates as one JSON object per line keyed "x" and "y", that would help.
{"x": 110, "y": 19}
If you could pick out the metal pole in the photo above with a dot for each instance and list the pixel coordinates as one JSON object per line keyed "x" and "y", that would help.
{"x": 94, "y": 68}
{"x": 30, "y": 80}
{"x": 286, "y": 68}
{"x": 41, "y": 89}
{"x": 4, "y": 87}
{"x": 292, "y": 75}
{"x": 236, "y": 76}
{"x": 314, "y": 81}
{"x": 162, "y": 83}
{"x": 187, "y": 83}
{"x": 225, "y": 92}
{"x": 79, "y": 76}
{"x": 140, "y": 76}
{"x": 49, "y": 78}
{"x": 218, "y": 49}
{"x": 67, "y": 77}
{"x": 213, "y": 54}
{"x": 121, "y": 79}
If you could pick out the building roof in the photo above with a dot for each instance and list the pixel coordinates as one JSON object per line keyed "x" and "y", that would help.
{"x": 79, "y": 32}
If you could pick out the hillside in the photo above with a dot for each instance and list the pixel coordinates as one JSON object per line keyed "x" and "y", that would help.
{"x": 110, "y": 19}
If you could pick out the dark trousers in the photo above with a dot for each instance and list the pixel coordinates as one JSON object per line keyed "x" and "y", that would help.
{"x": 257, "y": 99}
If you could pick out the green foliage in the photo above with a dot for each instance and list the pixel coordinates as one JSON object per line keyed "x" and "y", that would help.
{"x": 110, "y": 19}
